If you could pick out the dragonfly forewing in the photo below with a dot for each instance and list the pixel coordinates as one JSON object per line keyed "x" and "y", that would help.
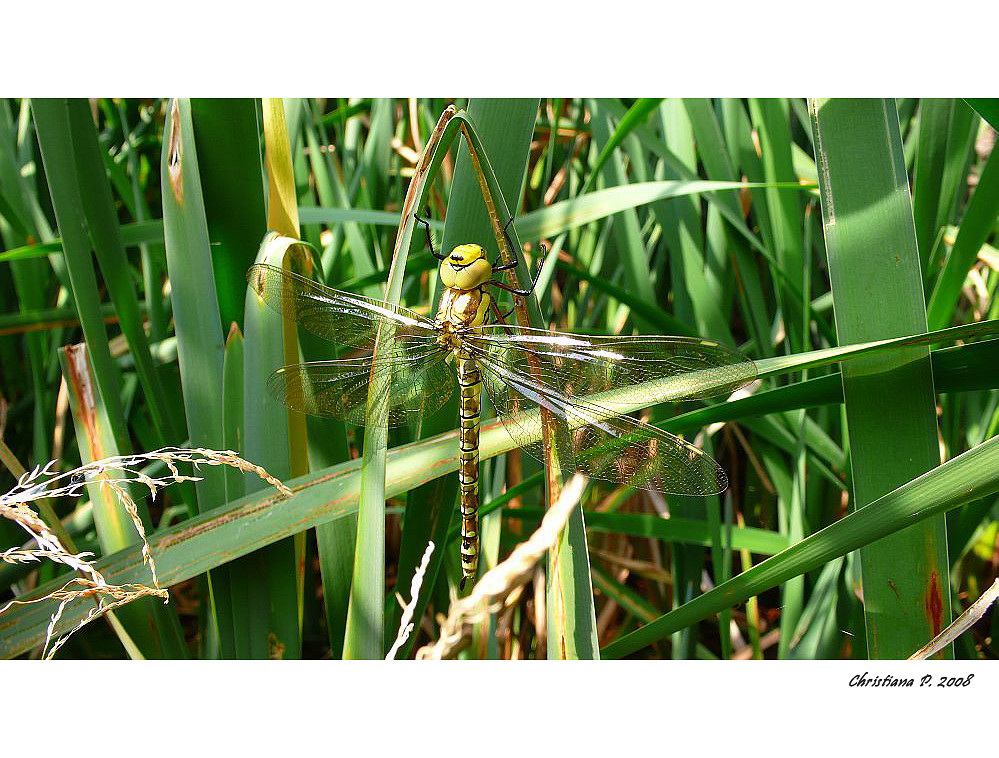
{"x": 340, "y": 317}
{"x": 655, "y": 368}
{"x": 408, "y": 376}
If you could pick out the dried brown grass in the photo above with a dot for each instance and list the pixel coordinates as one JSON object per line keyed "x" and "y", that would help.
{"x": 115, "y": 473}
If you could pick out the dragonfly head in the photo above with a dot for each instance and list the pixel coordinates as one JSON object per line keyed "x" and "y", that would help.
{"x": 466, "y": 268}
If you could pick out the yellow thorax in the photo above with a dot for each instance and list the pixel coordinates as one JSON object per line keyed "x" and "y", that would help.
{"x": 466, "y": 268}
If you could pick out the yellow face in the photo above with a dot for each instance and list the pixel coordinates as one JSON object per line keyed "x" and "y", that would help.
{"x": 466, "y": 268}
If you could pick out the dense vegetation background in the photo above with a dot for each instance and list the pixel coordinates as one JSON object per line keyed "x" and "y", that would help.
{"x": 780, "y": 227}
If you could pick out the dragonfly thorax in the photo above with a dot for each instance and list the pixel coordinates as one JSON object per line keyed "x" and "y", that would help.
{"x": 466, "y": 268}
{"x": 460, "y": 310}
{"x": 464, "y": 304}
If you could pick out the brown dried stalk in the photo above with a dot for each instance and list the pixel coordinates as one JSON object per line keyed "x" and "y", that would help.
{"x": 960, "y": 625}
{"x": 498, "y": 583}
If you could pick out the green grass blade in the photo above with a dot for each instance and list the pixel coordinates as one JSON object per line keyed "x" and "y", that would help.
{"x": 771, "y": 118}
{"x": 102, "y": 225}
{"x": 264, "y": 584}
{"x": 696, "y": 268}
{"x": 52, "y": 120}
{"x": 714, "y": 154}
{"x": 947, "y": 130}
{"x": 637, "y": 114}
{"x": 195, "y": 305}
{"x": 332, "y": 192}
{"x": 931, "y": 153}
{"x": 232, "y": 184}
{"x": 152, "y": 255}
{"x": 976, "y": 227}
{"x": 335, "y": 542}
{"x": 680, "y": 530}
{"x": 987, "y": 108}
{"x": 890, "y": 407}
{"x": 32, "y": 284}
{"x": 135, "y": 233}
{"x": 200, "y": 349}
{"x": 630, "y": 247}
{"x": 220, "y": 588}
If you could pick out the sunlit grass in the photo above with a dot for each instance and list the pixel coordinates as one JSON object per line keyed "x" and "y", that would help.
{"x": 691, "y": 217}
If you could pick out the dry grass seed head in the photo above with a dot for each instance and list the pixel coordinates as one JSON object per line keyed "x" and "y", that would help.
{"x": 114, "y": 472}
{"x": 497, "y": 584}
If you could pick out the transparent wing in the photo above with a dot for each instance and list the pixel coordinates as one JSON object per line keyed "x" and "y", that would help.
{"x": 568, "y": 374}
{"x": 578, "y": 365}
{"x": 340, "y": 317}
{"x": 417, "y": 383}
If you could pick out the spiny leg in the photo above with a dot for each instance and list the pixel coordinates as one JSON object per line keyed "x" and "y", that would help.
{"x": 499, "y": 266}
{"x": 534, "y": 283}
{"x": 500, "y": 317}
{"x": 426, "y": 227}
{"x": 513, "y": 264}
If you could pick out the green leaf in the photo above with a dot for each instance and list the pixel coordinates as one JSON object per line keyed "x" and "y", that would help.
{"x": 976, "y": 227}
{"x": 889, "y": 398}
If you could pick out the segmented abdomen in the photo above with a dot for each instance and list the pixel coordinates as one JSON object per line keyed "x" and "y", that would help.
{"x": 468, "y": 467}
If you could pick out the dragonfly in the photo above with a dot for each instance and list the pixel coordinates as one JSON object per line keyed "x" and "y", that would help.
{"x": 583, "y": 383}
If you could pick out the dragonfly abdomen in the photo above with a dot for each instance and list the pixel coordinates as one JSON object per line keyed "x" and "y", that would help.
{"x": 470, "y": 383}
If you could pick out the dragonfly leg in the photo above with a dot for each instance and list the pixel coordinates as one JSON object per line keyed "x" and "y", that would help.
{"x": 500, "y": 317}
{"x": 426, "y": 228}
{"x": 499, "y": 266}
{"x": 534, "y": 283}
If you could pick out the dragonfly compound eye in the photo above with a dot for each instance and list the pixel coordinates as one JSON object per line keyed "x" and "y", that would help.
{"x": 466, "y": 268}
